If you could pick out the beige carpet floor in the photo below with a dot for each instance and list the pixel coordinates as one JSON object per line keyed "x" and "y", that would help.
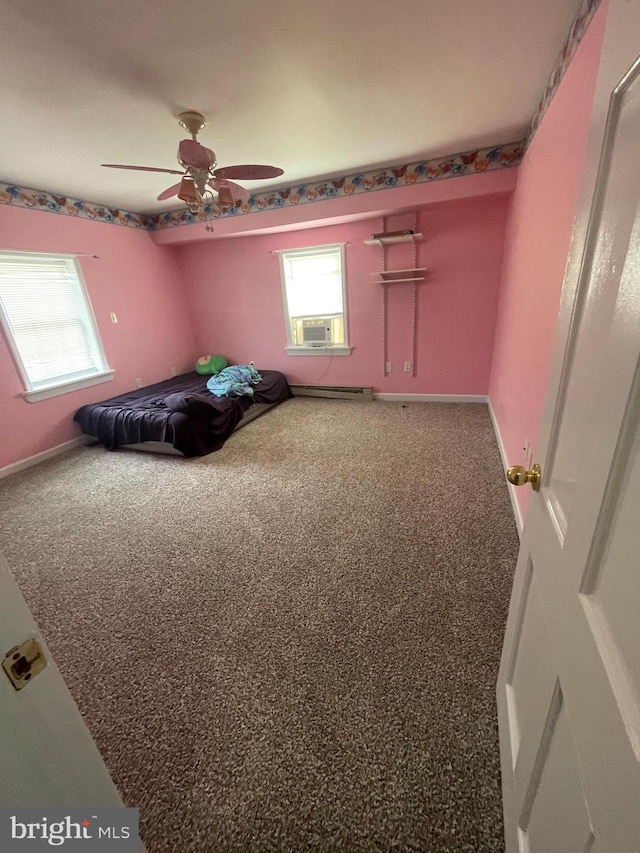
{"x": 291, "y": 644}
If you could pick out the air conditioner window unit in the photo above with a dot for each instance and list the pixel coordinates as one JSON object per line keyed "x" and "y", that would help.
{"x": 316, "y": 333}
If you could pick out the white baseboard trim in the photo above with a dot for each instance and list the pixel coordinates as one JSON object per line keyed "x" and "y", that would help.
{"x": 431, "y": 398}
{"x": 30, "y": 461}
{"x": 505, "y": 465}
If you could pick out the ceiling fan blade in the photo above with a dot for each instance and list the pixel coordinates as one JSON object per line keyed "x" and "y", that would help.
{"x": 248, "y": 173}
{"x": 141, "y": 168}
{"x": 195, "y": 155}
{"x": 238, "y": 193}
{"x": 169, "y": 192}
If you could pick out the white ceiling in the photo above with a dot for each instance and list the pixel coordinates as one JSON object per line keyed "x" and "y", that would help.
{"x": 318, "y": 88}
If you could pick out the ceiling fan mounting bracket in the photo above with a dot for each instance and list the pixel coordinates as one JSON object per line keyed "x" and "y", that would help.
{"x": 192, "y": 122}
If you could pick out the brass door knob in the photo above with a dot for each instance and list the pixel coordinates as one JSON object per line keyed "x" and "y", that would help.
{"x": 518, "y": 475}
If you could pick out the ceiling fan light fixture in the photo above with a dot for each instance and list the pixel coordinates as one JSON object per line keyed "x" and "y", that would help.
{"x": 225, "y": 197}
{"x": 188, "y": 191}
{"x": 200, "y": 172}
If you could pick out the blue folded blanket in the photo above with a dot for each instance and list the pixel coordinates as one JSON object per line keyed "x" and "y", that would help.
{"x": 234, "y": 381}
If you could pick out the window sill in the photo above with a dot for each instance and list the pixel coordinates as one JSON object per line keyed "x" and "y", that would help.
{"x": 65, "y": 387}
{"x": 334, "y": 350}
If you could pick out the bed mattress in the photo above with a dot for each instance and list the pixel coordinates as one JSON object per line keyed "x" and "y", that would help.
{"x": 180, "y": 411}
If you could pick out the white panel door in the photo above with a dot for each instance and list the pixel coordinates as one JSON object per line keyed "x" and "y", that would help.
{"x": 569, "y": 683}
{"x": 47, "y": 756}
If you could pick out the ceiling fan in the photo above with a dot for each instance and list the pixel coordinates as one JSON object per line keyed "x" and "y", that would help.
{"x": 199, "y": 172}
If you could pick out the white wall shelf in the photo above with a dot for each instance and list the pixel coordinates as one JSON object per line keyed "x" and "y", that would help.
{"x": 391, "y": 276}
{"x": 398, "y": 238}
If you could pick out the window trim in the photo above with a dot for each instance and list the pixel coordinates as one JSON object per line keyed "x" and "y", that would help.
{"x": 334, "y": 349}
{"x": 64, "y": 386}
{"x": 302, "y": 349}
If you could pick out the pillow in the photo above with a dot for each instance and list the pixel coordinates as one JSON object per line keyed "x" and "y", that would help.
{"x": 190, "y": 404}
{"x": 210, "y": 364}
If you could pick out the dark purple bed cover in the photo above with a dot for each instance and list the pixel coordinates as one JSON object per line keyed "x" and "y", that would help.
{"x": 141, "y": 415}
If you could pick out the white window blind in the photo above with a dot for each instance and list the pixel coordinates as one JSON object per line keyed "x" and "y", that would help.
{"x": 314, "y": 296}
{"x": 314, "y": 281}
{"x": 48, "y": 319}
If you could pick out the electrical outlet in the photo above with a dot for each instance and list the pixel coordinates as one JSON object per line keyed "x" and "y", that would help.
{"x": 387, "y": 367}
{"x": 114, "y": 317}
{"x": 173, "y": 370}
{"x": 138, "y": 382}
{"x": 408, "y": 367}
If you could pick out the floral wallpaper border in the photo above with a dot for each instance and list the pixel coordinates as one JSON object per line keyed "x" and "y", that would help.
{"x": 41, "y": 200}
{"x": 578, "y": 29}
{"x": 424, "y": 171}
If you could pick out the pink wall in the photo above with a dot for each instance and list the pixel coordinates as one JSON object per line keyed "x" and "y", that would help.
{"x": 236, "y": 300}
{"x": 536, "y": 248}
{"x": 134, "y": 278}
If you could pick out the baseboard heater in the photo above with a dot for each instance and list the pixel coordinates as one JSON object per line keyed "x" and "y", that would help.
{"x": 335, "y": 392}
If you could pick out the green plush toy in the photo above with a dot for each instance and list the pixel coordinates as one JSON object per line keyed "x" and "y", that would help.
{"x": 210, "y": 364}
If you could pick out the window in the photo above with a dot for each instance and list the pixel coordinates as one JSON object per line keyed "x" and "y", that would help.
{"x": 314, "y": 300}
{"x": 48, "y": 321}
